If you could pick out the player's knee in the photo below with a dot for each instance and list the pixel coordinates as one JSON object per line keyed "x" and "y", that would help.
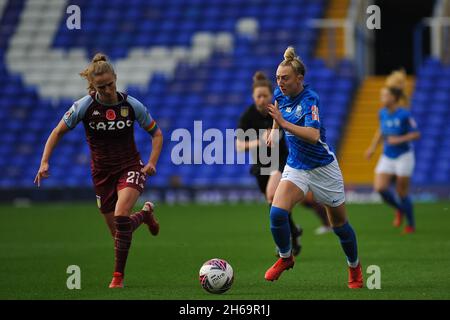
{"x": 123, "y": 210}
{"x": 121, "y": 213}
{"x": 337, "y": 216}
{"x": 336, "y": 223}
{"x": 402, "y": 192}
{"x": 379, "y": 188}
{"x": 270, "y": 196}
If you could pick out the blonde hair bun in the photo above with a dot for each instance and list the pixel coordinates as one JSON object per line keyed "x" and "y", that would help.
{"x": 289, "y": 54}
{"x": 99, "y": 57}
{"x": 397, "y": 79}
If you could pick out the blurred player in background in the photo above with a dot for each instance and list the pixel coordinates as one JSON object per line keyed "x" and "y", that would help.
{"x": 311, "y": 165}
{"x": 397, "y": 130}
{"x": 118, "y": 173}
{"x": 257, "y": 117}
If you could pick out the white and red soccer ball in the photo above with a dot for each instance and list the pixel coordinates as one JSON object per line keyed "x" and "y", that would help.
{"x": 216, "y": 276}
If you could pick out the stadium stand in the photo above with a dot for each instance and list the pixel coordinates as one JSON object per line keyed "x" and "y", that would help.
{"x": 430, "y": 106}
{"x": 186, "y": 61}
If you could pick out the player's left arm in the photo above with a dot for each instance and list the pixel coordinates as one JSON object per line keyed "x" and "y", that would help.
{"x": 310, "y": 133}
{"x": 413, "y": 133}
{"x": 157, "y": 143}
{"x": 147, "y": 123}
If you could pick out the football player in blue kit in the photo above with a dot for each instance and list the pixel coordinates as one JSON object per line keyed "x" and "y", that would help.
{"x": 397, "y": 131}
{"x": 311, "y": 165}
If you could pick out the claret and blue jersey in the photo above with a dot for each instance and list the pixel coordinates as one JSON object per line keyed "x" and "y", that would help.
{"x": 304, "y": 110}
{"x": 396, "y": 123}
{"x": 110, "y": 129}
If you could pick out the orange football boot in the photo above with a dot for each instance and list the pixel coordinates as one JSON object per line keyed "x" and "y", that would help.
{"x": 117, "y": 280}
{"x": 355, "y": 277}
{"x": 409, "y": 230}
{"x": 277, "y": 269}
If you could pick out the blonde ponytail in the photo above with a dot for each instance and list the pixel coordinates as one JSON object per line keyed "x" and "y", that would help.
{"x": 291, "y": 59}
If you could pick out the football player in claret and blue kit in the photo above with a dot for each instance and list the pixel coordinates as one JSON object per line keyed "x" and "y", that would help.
{"x": 118, "y": 173}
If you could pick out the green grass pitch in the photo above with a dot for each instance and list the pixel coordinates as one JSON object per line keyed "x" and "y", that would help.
{"x": 39, "y": 243}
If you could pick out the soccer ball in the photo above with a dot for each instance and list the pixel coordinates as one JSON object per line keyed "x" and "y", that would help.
{"x": 216, "y": 276}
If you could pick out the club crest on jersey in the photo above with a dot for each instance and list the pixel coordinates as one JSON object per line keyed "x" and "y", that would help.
{"x": 298, "y": 110}
{"x": 110, "y": 114}
{"x": 124, "y": 112}
{"x": 288, "y": 109}
{"x": 393, "y": 123}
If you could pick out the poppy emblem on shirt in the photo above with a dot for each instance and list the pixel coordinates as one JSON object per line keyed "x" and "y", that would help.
{"x": 124, "y": 112}
{"x": 110, "y": 114}
{"x": 315, "y": 113}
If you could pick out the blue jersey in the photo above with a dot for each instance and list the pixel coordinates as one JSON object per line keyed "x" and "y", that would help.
{"x": 303, "y": 110}
{"x": 397, "y": 123}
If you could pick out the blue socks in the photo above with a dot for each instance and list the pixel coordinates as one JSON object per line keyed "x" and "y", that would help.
{"x": 403, "y": 204}
{"x": 389, "y": 197}
{"x": 407, "y": 210}
{"x": 348, "y": 243}
{"x": 281, "y": 231}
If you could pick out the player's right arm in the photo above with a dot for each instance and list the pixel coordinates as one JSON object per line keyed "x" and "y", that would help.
{"x": 58, "y": 132}
{"x": 275, "y": 128}
{"x": 243, "y": 144}
{"x": 246, "y": 145}
{"x": 376, "y": 140}
{"x": 69, "y": 121}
